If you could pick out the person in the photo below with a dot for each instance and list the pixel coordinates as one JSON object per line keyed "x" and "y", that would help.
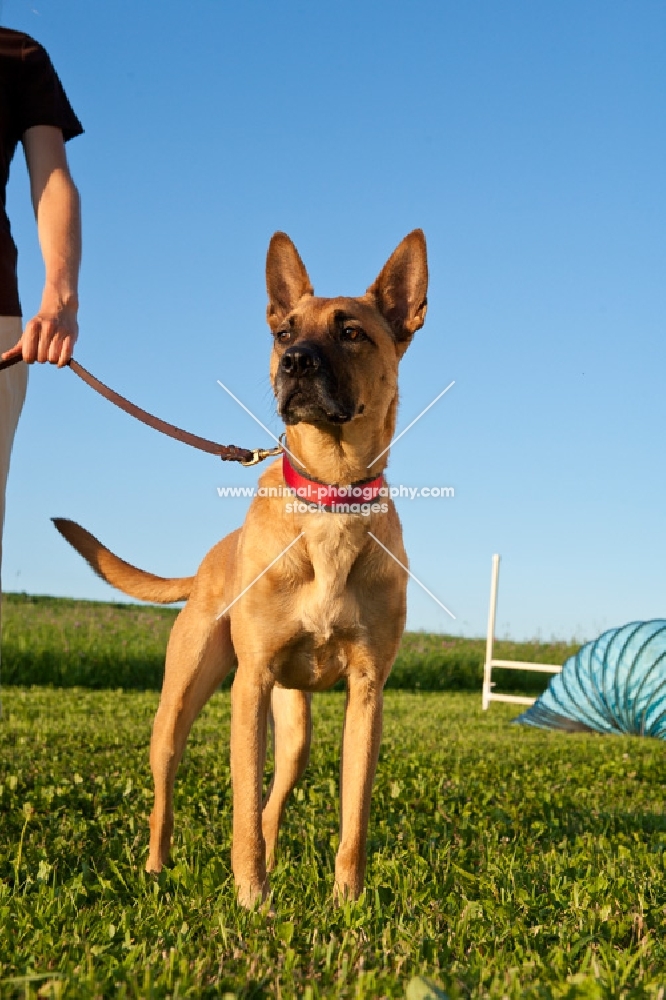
{"x": 35, "y": 111}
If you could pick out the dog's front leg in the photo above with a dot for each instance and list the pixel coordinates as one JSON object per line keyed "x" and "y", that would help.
{"x": 360, "y": 750}
{"x": 250, "y": 700}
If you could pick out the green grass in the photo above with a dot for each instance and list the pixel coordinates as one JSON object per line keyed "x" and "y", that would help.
{"x": 504, "y": 862}
{"x": 47, "y": 640}
{"x": 50, "y": 640}
{"x": 429, "y": 662}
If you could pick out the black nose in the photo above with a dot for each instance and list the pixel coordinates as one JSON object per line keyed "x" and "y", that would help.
{"x": 300, "y": 360}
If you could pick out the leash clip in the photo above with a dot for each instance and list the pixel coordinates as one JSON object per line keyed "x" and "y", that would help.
{"x": 259, "y": 454}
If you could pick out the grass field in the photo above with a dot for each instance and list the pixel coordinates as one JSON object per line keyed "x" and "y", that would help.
{"x": 504, "y": 862}
{"x": 47, "y": 640}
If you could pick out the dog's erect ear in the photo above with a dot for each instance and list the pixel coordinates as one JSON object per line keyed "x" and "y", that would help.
{"x": 400, "y": 290}
{"x": 287, "y": 280}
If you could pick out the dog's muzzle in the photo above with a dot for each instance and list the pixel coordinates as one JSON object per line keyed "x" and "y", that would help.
{"x": 307, "y": 389}
{"x": 300, "y": 361}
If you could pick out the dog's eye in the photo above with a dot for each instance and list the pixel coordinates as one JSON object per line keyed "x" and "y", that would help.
{"x": 284, "y": 336}
{"x": 353, "y": 333}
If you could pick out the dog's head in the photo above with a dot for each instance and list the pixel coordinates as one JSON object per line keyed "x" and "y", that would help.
{"x": 335, "y": 360}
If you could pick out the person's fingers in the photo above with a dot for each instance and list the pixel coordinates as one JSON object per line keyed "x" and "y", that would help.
{"x": 30, "y": 340}
{"x": 14, "y": 352}
{"x": 55, "y": 348}
{"x": 48, "y": 331}
{"x": 66, "y": 350}
{"x": 48, "y": 338}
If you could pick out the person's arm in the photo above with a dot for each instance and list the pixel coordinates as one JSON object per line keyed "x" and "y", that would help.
{"x": 51, "y": 334}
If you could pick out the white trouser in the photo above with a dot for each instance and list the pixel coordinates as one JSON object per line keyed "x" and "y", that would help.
{"x": 13, "y": 383}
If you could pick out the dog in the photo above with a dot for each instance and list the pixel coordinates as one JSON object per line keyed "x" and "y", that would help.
{"x": 304, "y": 594}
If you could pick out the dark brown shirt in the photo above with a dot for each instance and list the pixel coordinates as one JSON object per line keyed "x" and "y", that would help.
{"x": 30, "y": 94}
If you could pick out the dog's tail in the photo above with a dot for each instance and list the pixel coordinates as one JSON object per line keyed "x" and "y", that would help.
{"x": 119, "y": 573}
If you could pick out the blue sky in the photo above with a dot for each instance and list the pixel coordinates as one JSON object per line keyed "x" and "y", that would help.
{"x": 527, "y": 140}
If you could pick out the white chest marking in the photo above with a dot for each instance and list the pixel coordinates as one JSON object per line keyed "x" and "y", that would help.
{"x": 334, "y": 542}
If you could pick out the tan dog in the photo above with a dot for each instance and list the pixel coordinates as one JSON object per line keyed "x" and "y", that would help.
{"x": 331, "y": 605}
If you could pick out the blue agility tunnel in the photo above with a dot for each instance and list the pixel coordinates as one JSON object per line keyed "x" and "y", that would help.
{"x": 615, "y": 684}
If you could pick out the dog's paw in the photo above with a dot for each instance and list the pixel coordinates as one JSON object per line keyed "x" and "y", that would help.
{"x": 253, "y": 896}
{"x": 347, "y": 888}
{"x": 155, "y": 867}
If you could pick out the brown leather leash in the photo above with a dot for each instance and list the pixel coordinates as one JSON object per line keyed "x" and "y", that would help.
{"x": 227, "y": 452}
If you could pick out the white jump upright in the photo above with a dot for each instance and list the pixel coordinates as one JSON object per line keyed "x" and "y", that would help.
{"x": 487, "y": 693}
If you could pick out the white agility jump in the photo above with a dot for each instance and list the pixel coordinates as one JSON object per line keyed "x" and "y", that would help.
{"x": 487, "y": 693}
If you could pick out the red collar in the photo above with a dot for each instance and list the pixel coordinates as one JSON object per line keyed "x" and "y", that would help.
{"x": 314, "y": 491}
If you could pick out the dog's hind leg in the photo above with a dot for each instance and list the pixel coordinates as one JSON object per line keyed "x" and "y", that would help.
{"x": 199, "y": 656}
{"x": 292, "y": 730}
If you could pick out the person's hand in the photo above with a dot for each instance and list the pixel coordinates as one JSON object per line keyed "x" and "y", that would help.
{"x": 49, "y": 336}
